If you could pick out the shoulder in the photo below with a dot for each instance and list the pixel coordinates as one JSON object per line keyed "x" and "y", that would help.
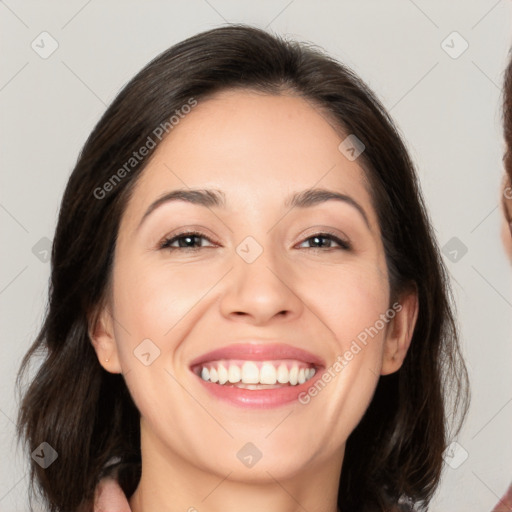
{"x": 109, "y": 497}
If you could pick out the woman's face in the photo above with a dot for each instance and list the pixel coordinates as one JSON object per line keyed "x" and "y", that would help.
{"x": 263, "y": 280}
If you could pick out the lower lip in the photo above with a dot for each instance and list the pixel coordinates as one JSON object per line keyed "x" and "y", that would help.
{"x": 259, "y": 398}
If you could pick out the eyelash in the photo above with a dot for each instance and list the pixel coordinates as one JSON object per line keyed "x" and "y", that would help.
{"x": 166, "y": 243}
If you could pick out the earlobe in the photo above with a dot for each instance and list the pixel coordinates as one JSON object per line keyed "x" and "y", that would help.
{"x": 101, "y": 334}
{"x": 400, "y": 332}
{"x": 506, "y": 220}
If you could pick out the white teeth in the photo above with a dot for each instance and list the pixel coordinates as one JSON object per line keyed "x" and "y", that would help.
{"x": 250, "y": 373}
{"x": 282, "y": 374}
{"x": 223, "y": 374}
{"x": 294, "y": 373}
{"x": 266, "y": 373}
{"x": 234, "y": 374}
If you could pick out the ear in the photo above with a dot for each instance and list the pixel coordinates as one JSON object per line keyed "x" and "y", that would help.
{"x": 506, "y": 219}
{"x": 399, "y": 333}
{"x": 101, "y": 334}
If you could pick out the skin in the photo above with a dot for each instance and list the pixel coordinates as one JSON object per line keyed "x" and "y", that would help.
{"x": 506, "y": 219}
{"x": 258, "y": 149}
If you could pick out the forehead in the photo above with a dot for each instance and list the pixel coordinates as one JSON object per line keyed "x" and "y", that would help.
{"x": 252, "y": 145}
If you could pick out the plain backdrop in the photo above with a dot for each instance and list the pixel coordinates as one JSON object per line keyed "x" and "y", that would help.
{"x": 444, "y": 97}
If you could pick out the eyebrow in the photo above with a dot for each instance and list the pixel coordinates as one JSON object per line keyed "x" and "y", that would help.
{"x": 213, "y": 198}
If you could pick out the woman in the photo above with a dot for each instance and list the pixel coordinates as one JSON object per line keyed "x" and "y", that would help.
{"x": 505, "y": 504}
{"x": 247, "y": 306}
{"x": 506, "y": 198}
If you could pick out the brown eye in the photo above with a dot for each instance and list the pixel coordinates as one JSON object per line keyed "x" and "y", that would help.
{"x": 186, "y": 241}
{"x": 320, "y": 239}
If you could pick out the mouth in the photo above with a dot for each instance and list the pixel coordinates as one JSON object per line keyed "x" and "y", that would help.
{"x": 257, "y": 375}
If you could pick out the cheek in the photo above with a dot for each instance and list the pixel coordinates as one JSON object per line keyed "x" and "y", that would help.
{"x": 151, "y": 308}
{"x": 354, "y": 301}
{"x": 357, "y": 307}
{"x": 354, "y": 309}
{"x": 153, "y": 299}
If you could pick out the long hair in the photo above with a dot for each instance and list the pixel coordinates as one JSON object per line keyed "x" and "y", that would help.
{"x": 87, "y": 415}
{"x": 507, "y": 116}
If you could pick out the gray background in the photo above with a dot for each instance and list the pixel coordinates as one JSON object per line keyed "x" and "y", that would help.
{"x": 448, "y": 109}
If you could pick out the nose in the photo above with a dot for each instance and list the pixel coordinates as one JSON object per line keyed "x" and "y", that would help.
{"x": 261, "y": 292}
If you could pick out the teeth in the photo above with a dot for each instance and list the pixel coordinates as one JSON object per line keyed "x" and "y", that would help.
{"x": 282, "y": 374}
{"x": 234, "y": 374}
{"x": 250, "y": 373}
{"x": 270, "y": 373}
{"x": 294, "y": 373}
{"x": 223, "y": 374}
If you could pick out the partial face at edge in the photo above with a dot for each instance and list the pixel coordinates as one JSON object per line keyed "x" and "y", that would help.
{"x": 506, "y": 224}
{"x": 295, "y": 286}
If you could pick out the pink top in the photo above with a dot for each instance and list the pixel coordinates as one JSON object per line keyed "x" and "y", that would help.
{"x": 505, "y": 504}
{"x": 109, "y": 497}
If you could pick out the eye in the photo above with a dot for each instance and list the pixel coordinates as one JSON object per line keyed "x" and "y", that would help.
{"x": 186, "y": 241}
{"x": 189, "y": 241}
{"x": 320, "y": 238}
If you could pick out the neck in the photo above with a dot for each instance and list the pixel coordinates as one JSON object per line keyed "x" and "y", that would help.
{"x": 170, "y": 483}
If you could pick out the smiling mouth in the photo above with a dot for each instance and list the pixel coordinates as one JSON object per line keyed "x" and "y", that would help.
{"x": 255, "y": 375}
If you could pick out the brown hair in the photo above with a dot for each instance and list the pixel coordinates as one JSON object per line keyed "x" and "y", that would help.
{"x": 507, "y": 117}
{"x": 87, "y": 415}
{"x": 507, "y": 131}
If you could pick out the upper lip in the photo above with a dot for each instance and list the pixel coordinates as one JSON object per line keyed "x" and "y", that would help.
{"x": 258, "y": 351}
